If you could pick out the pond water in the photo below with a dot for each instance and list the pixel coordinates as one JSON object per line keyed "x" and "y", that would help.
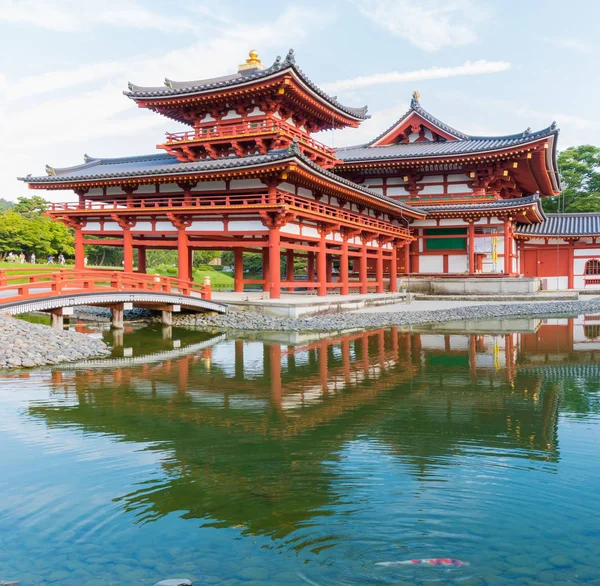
{"x": 247, "y": 461}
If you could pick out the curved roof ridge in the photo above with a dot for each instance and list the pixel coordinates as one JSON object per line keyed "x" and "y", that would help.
{"x": 415, "y": 106}
{"x": 288, "y": 62}
{"x": 527, "y": 133}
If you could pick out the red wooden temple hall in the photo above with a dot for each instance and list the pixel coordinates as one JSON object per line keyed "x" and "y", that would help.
{"x": 248, "y": 176}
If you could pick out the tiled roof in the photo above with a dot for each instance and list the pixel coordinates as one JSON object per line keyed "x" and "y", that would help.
{"x": 415, "y": 106}
{"x": 498, "y": 204}
{"x": 564, "y": 225}
{"x": 178, "y": 88}
{"x": 415, "y": 150}
{"x": 163, "y": 164}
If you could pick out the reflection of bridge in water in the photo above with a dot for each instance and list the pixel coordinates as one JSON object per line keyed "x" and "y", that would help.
{"x": 223, "y": 410}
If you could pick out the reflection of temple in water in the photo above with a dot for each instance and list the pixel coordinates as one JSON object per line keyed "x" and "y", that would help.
{"x": 221, "y": 410}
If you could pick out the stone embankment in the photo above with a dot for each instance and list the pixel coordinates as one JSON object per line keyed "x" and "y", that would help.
{"x": 246, "y": 320}
{"x": 23, "y": 344}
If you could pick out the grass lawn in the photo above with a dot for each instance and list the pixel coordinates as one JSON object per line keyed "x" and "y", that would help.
{"x": 220, "y": 280}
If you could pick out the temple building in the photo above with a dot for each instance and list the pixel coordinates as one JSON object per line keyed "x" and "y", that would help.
{"x": 422, "y": 199}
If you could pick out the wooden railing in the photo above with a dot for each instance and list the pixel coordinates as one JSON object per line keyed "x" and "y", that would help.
{"x": 18, "y": 285}
{"x": 243, "y": 129}
{"x": 251, "y": 201}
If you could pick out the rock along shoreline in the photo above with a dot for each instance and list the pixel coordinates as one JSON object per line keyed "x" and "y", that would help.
{"x": 26, "y": 345}
{"x": 246, "y": 320}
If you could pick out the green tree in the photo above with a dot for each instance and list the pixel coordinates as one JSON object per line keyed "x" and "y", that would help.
{"x": 580, "y": 175}
{"x": 24, "y": 228}
{"x": 5, "y": 204}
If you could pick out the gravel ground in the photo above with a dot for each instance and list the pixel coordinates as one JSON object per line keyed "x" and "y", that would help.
{"x": 245, "y": 320}
{"x": 23, "y": 344}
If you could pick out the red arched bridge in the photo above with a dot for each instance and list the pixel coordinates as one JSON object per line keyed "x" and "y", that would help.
{"x": 58, "y": 291}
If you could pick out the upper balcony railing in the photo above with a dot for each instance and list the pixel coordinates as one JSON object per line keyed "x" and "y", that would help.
{"x": 241, "y": 202}
{"x": 246, "y": 129}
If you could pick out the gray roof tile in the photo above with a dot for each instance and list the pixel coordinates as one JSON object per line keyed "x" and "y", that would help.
{"x": 415, "y": 150}
{"x": 498, "y": 204}
{"x": 177, "y": 88}
{"x": 564, "y": 225}
{"x": 165, "y": 164}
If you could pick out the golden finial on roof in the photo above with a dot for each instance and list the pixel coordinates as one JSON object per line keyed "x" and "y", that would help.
{"x": 416, "y": 95}
{"x": 415, "y": 99}
{"x": 252, "y": 63}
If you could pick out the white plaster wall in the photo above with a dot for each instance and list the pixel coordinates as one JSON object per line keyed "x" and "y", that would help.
{"x": 395, "y": 191}
{"x": 379, "y": 190}
{"x": 432, "y": 190}
{"x": 230, "y": 115}
{"x": 556, "y": 282}
{"x": 455, "y": 223}
{"x": 459, "y": 188}
{"x": 246, "y": 184}
{"x": 457, "y": 264}
{"x": 288, "y": 187}
{"x": 170, "y": 188}
{"x": 396, "y": 181}
{"x": 458, "y": 177}
{"x": 428, "y": 134}
{"x": 433, "y": 179}
{"x": 165, "y": 227}
{"x": 206, "y": 227}
{"x": 424, "y": 223}
{"x": 247, "y": 226}
{"x": 114, "y": 191}
{"x": 145, "y": 189}
{"x": 373, "y": 181}
{"x": 308, "y": 231}
{"x": 210, "y": 186}
{"x": 291, "y": 229}
{"x": 304, "y": 192}
{"x": 95, "y": 191}
{"x": 142, "y": 226}
{"x": 91, "y": 227}
{"x": 112, "y": 227}
{"x": 431, "y": 264}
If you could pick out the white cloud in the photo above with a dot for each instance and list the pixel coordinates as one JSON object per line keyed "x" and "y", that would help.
{"x": 42, "y": 126}
{"x": 576, "y": 45}
{"x": 468, "y": 68}
{"x": 427, "y": 24}
{"x": 77, "y": 15}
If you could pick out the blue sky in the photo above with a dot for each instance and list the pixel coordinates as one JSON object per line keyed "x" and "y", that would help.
{"x": 484, "y": 67}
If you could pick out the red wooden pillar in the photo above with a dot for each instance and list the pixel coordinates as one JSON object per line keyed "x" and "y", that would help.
{"x": 275, "y": 372}
{"x": 472, "y": 267}
{"x": 407, "y": 258}
{"x": 344, "y": 277}
{"x": 394, "y": 268}
{"x": 141, "y": 259}
{"x": 266, "y": 271}
{"x": 127, "y": 250}
{"x": 507, "y": 247}
{"x": 238, "y": 270}
{"x": 274, "y": 263}
{"x": 379, "y": 267}
{"x": 190, "y": 263}
{"x": 310, "y": 268}
{"x": 571, "y": 261}
{"x": 183, "y": 255}
{"x": 362, "y": 268}
{"x": 322, "y": 266}
{"x": 289, "y": 266}
{"x": 79, "y": 248}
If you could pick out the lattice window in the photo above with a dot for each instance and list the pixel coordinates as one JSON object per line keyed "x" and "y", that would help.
{"x": 592, "y": 267}
{"x": 591, "y": 332}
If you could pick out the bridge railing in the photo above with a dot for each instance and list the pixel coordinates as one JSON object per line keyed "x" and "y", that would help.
{"x": 21, "y": 284}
